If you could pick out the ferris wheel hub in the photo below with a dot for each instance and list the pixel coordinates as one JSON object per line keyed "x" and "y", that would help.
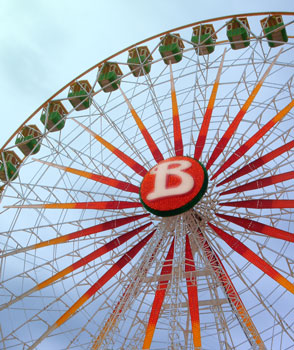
{"x": 173, "y": 186}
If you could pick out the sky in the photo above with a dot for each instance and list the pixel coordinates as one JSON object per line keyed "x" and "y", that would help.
{"x": 45, "y": 44}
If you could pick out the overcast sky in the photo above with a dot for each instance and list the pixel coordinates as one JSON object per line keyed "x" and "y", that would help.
{"x": 45, "y": 44}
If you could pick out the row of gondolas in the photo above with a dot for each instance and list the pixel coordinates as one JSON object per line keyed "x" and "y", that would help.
{"x": 139, "y": 61}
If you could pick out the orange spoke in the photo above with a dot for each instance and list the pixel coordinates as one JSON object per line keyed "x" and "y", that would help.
{"x": 178, "y": 142}
{"x": 149, "y": 140}
{"x": 82, "y": 233}
{"x": 253, "y": 140}
{"x": 139, "y": 169}
{"x": 96, "y": 254}
{"x": 116, "y": 267}
{"x": 192, "y": 295}
{"x": 207, "y": 116}
{"x": 249, "y": 255}
{"x": 267, "y": 181}
{"x": 82, "y": 262}
{"x": 234, "y": 125}
{"x": 83, "y": 205}
{"x": 121, "y": 185}
{"x": 259, "y": 227}
{"x": 261, "y": 203}
{"x": 258, "y": 162}
{"x": 158, "y": 299}
{"x": 231, "y": 293}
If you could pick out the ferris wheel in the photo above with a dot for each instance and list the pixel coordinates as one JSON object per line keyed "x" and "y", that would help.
{"x": 149, "y": 203}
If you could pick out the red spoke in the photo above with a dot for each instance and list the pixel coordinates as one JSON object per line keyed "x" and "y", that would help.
{"x": 259, "y": 227}
{"x": 158, "y": 299}
{"x": 116, "y": 267}
{"x": 234, "y": 125}
{"x": 267, "y": 181}
{"x": 258, "y": 162}
{"x": 139, "y": 169}
{"x": 121, "y": 185}
{"x": 148, "y": 138}
{"x": 82, "y": 262}
{"x": 253, "y": 140}
{"x": 207, "y": 116}
{"x": 178, "y": 141}
{"x": 249, "y": 255}
{"x": 230, "y": 291}
{"x": 83, "y": 205}
{"x": 96, "y": 254}
{"x": 82, "y": 233}
{"x": 261, "y": 203}
{"x": 192, "y": 294}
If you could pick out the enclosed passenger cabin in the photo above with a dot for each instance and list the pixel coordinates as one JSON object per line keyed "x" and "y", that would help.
{"x": 9, "y": 164}
{"x": 274, "y": 30}
{"x": 109, "y": 76}
{"x": 53, "y": 116}
{"x": 27, "y": 140}
{"x": 139, "y": 60}
{"x": 79, "y": 95}
{"x": 204, "y": 38}
{"x": 237, "y": 32}
{"x": 171, "y": 48}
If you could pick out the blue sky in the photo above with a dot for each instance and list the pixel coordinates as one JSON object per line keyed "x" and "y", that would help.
{"x": 45, "y": 44}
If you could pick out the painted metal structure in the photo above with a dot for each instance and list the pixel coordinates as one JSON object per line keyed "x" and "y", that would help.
{"x": 85, "y": 265}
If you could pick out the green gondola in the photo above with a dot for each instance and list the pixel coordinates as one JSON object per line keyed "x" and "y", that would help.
{"x": 109, "y": 77}
{"x": 11, "y": 162}
{"x": 53, "y": 117}
{"x": 204, "y": 38}
{"x": 275, "y": 36}
{"x": 27, "y": 140}
{"x": 78, "y": 95}
{"x": 139, "y": 61}
{"x": 171, "y": 48}
{"x": 237, "y": 33}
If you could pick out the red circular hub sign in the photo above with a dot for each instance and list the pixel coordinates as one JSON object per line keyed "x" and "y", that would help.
{"x": 173, "y": 186}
